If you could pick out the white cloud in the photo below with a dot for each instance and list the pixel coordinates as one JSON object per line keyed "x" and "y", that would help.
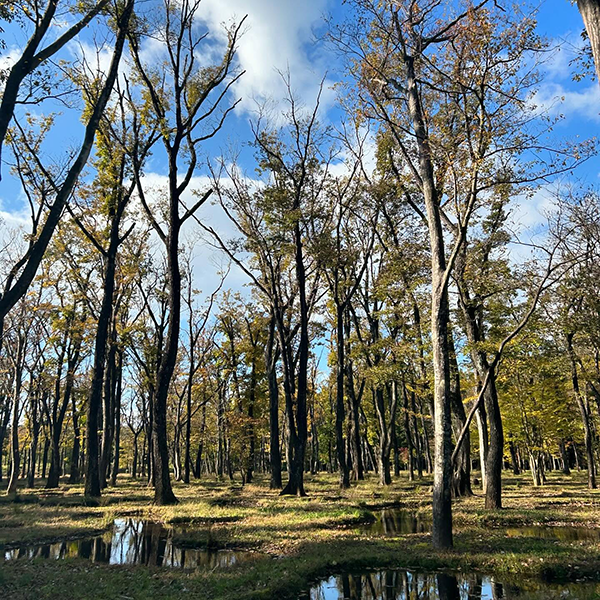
{"x": 278, "y": 38}
{"x": 555, "y": 100}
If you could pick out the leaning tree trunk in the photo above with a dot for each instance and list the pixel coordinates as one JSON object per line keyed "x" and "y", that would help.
{"x": 37, "y": 250}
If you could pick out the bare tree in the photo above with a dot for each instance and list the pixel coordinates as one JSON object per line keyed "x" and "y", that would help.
{"x": 186, "y": 99}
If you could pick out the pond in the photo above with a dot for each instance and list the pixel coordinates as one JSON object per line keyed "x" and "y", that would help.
{"x": 409, "y": 585}
{"x": 559, "y": 532}
{"x": 133, "y": 542}
{"x": 397, "y": 521}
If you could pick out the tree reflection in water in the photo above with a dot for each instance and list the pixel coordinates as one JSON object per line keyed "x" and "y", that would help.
{"x": 409, "y": 585}
{"x": 133, "y": 542}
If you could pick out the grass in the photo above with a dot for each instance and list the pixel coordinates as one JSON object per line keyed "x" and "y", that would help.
{"x": 302, "y": 539}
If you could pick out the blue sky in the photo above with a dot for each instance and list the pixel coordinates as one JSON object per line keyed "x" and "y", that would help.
{"x": 280, "y": 36}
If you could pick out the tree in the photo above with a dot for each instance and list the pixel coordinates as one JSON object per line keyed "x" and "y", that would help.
{"x": 23, "y": 271}
{"x": 344, "y": 252}
{"x": 590, "y": 11}
{"x": 277, "y": 223}
{"x": 38, "y": 50}
{"x": 184, "y": 97}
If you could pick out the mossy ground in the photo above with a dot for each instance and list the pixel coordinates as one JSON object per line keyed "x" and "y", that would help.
{"x": 302, "y": 539}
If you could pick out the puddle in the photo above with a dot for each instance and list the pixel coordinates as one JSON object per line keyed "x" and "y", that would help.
{"x": 408, "y": 585}
{"x": 134, "y": 542}
{"x": 548, "y": 532}
{"x": 394, "y": 521}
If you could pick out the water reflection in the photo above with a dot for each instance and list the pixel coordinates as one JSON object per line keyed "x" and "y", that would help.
{"x": 567, "y": 534}
{"x": 409, "y": 585}
{"x": 394, "y": 521}
{"x": 133, "y": 542}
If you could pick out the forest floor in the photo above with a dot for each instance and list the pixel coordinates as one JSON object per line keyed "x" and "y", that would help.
{"x": 298, "y": 540}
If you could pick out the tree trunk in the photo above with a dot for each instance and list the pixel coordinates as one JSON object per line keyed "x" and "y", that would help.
{"x": 408, "y": 435}
{"x": 271, "y": 364}
{"x": 564, "y": 457}
{"x": 383, "y": 457}
{"x": 108, "y": 424}
{"x": 493, "y": 467}
{"x": 340, "y": 412}
{"x": 93, "y": 475}
{"x": 590, "y": 11}
{"x": 356, "y": 446}
{"x": 514, "y": 458}
{"x": 483, "y": 440}
{"x": 585, "y": 415}
{"x": 440, "y": 315}
{"x": 163, "y": 492}
{"x": 198, "y": 466}
{"x": 54, "y": 473}
{"x": 117, "y": 420}
{"x": 75, "y": 475}
{"x": 461, "y": 480}
{"x": 35, "y": 432}
{"x": 14, "y": 433}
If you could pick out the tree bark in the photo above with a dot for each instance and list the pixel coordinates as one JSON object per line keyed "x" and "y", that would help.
{"x": 461, "y": 481}
{"x": 117, "y": 420}
{"x": 440, "y": 315}
{"x": 340, "y": 412}
{"x": 92, "y": 476}
{"x": 590, "y": 11}
{"x": 35, "y": 433}
{"x": 108, "y": 414}
{"x": 584, "y": 410}
{"x": 75, "y": 475}
{"x": 14, "y": 433}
